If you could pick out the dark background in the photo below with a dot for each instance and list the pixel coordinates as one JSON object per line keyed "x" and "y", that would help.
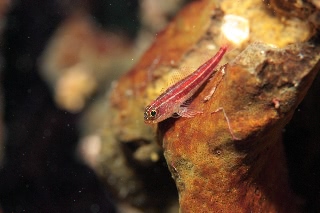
{"x": 41, "y": 173}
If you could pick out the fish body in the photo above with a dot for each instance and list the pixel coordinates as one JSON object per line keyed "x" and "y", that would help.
{"x": 172, "y": 100}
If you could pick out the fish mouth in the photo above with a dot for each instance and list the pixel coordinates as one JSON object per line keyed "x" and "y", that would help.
{"x": 149, "y": 122}
{"x": 154, "y": 120}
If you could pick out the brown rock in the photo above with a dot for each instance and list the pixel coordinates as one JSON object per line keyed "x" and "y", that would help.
{"x": 213, "y": 173}
{"x": 259, "y": 93}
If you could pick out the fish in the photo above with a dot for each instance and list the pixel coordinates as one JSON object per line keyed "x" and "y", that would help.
{"x": 174, "y": 101}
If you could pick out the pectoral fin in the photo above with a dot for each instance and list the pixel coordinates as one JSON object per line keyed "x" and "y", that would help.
{"x": 188, "y": 112}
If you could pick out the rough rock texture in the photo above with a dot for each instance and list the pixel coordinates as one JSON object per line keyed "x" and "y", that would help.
{"x": 262, "y": 88}
{"x": 259, "y": 94}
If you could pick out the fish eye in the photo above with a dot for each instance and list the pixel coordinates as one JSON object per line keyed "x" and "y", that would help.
{"x": 153, "y": 113}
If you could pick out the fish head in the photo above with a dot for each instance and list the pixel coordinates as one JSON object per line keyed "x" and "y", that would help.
{"x": 151, "y": 114}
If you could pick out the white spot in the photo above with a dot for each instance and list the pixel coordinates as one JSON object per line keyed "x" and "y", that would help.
{"x": 301, "y": 56}
{"x": 129, "y": 92}
{"x": 90, "y": 148}
{"x": 211, "y": 47}
{"x": 235, "y": 29}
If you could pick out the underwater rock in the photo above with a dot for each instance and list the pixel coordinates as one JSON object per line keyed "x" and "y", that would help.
{"x": 259, "y": 93}
{"x": 81, "y": 59}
